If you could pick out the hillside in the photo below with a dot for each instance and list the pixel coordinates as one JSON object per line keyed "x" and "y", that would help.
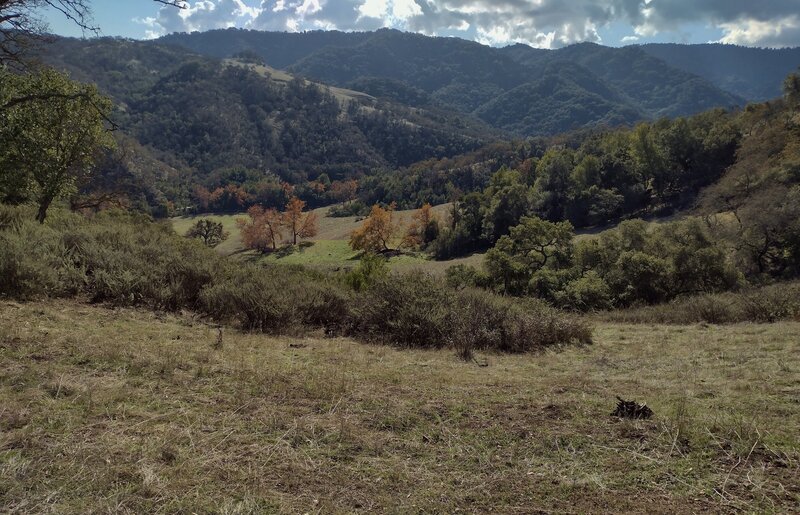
{"x": 752, "y": 73}
{"x": 468, "y": 77}
{"x": 127, "y": 410}
{"x": 204, "y": 116}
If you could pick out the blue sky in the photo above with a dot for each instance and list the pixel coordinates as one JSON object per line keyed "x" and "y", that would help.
{"x": 540, "y": 23}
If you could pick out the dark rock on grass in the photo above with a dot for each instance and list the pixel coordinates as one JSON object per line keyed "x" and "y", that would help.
{"x": 632, "y": 410}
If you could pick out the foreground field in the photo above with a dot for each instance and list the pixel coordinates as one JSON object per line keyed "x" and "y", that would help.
{"x": 127, "y": 411}
{"x": 330, "y": 249}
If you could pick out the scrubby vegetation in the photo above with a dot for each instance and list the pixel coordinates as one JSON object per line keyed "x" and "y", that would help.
{"x": 761, "y": 305}
{"x": 107, "y": 410}
{"x": 127, "y": 260}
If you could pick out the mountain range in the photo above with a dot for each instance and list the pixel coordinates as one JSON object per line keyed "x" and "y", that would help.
{"x": 586, "y": 84}
{"x": 327, "y": 105}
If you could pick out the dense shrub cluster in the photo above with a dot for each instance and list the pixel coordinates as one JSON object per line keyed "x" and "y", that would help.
{"x": 124, "y": 260}
{"x": 418, "y": 308}
{"x": 763, "y": 305}
{"x": 633, "y": 264}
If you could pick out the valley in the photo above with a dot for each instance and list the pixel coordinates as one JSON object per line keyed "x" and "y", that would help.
{"x": 252, "y": 266}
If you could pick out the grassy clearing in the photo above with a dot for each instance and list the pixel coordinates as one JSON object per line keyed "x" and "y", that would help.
{"x": 129, "y": 411}
{"x": 330, "y": 249}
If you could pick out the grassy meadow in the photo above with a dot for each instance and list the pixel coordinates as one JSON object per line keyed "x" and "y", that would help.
{"x": 330, "y": 248}
{"x": 131, "y": 411}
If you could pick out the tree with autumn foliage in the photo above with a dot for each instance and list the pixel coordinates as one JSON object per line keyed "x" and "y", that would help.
{"x": 424, "y": 228}
{"x": 262, "y": 230}
{"x": 298, "y": 223}
{"x": 376, "y": 232}
{"x": 345, "y": 191}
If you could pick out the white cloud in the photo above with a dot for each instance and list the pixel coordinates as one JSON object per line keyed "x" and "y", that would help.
{"x": 541, "y": 23}
{"x": 775, "y": 33}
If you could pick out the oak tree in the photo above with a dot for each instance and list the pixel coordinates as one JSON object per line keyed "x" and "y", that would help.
{"x": 376, "y": 232}
{"x": 298, "y": 223}
{"x": 263, "y": 230}
{"x": 424, "y": 227}
{"x": 211, "y": 233}
{"x": 49, "y": 146}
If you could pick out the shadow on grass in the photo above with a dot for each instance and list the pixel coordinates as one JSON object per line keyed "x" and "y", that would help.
{"x": 288, "y": 250}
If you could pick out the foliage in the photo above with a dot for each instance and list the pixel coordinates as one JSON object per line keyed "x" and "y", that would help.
{"x": 128, "y": 260}
{"x": 299, "y": 224}
{"x": 759, "y": 305}
{"x": 377, "y": 231}
{"x": 632, "y": 264}
{"x": 263, "y": 230}
{"x": 424, "y": 228}
{"x": 531, "y": 245}
{"x": 371, "y": 267}
{"x": 211, "y": 233}
{"x": 417, "y": 310}
{"x": 49, "y": 144}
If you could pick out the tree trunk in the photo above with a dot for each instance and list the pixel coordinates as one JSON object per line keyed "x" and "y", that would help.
{"x": 44, "y": 204}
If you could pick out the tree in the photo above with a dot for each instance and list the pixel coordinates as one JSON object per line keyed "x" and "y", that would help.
{"x": 344, "y": 191}
{"x": 530, "y": 246}
{"x": 299, "y": 224}
{"x": 424, "y": 227}
{"x": 376, "y": 232}
{"x": 210, "y": 232}
{"x": 263, "y": 230}
{"x": 51, "y": 144}
{"x": 791, "y": 88}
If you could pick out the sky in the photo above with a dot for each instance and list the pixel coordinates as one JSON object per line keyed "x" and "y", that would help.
{"x": 539, "y": 23}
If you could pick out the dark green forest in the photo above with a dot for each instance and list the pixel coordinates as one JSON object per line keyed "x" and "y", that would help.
{"x": 422, "y": 119}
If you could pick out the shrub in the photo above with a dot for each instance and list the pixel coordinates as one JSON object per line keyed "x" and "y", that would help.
{"x": 587, "y": 293}
{"x": 370, "y": 268}
{"x": 762, "y": 305}
{"x": 417, "y": 310}
{"x": 130, "y": 260}
{"x": 31, "y": 262}
{"x": 411, "y": 310}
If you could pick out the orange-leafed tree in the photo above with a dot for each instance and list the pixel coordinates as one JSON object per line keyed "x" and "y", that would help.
{"x": 262, "y": 229}
{"x": 299, "y": 224}
{"x": 376, "y": 232}
{"x": 424, "y": 227}
{"x": 345, "y": 191}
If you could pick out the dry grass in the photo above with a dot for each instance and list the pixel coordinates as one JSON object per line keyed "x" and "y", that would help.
{"x": 126, "y": 411}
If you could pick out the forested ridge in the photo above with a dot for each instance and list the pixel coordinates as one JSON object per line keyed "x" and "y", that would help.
{"x": 620, "y": 83}
{"x": 236, "y": 130}
{"x": 221, "y": 123}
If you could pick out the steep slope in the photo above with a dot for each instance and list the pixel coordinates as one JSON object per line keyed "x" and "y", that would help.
{"x": 279, "y": 49}
{"x": 653, "y": 86}
{"x": 210, "y": 114}
{"x": 472, "y": 78}
{"x": 458, "y": 73}
{"x": 567, "y": 97}
{"x": 753, "y": 73}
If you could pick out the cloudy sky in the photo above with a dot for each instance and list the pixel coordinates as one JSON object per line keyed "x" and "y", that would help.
{"x": 540, "y": 23}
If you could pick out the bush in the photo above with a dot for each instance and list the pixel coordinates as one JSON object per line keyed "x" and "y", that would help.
{"x": 761, "y": 305}
{"x": 417, "y": 310}
{"x": 587, "y": 293}
{"x": 371, "y": 267}
{"x": 128, "y": 260}
{"x": 31, "y": 262}
{"x": 275, "y": 300}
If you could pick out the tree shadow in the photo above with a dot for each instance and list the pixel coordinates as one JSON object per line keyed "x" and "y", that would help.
{"x": 288, "y": 250}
